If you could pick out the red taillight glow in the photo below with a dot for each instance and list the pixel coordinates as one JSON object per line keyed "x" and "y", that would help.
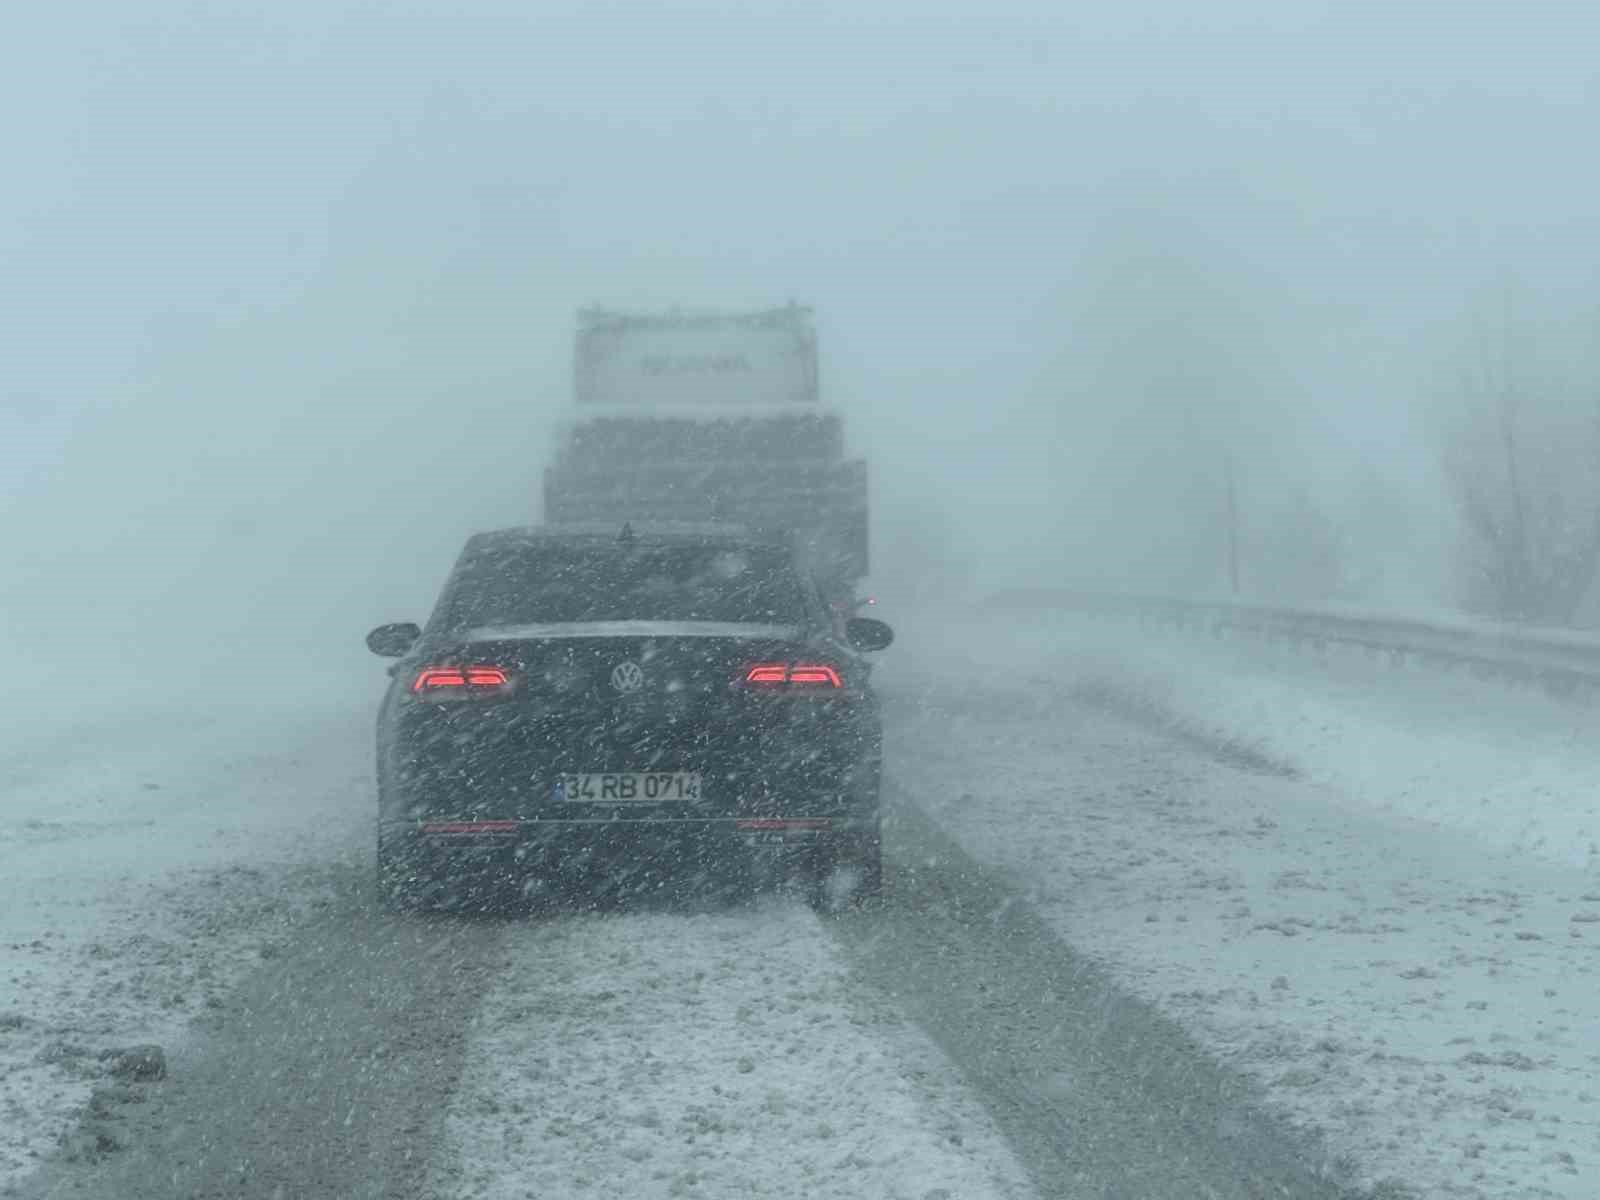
{"x": 816, "y": 675}
{"x": 430, "y": 678}
{"x": 793, "y": 675}
{"x": 459, "y": 680}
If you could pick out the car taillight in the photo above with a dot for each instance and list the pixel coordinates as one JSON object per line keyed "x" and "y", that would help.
{"x": 464, "y": 682}
{"x": 801, "y": 675}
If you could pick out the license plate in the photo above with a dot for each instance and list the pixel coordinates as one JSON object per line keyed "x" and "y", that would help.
{"x": 629, "y": 787}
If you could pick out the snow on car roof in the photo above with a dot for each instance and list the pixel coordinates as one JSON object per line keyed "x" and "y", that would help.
{"x": 555, "y": 630}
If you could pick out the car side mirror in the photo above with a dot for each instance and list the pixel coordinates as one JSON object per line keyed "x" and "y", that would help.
{"x": 391, "y": 641}
{"x": 864, "y": 633}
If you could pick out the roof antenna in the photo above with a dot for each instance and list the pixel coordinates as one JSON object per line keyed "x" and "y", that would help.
{"x": 627, "y": 532}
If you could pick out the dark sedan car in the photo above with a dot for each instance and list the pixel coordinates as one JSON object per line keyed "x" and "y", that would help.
{"x": 623, "y": 712}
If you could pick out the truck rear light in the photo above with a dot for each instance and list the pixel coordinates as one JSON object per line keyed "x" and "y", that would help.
{"x": 463, "y": 682}
{"x": 803, "y": 675}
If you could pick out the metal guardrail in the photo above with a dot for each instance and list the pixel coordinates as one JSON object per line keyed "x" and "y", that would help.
{"x": 1562, "y": 661}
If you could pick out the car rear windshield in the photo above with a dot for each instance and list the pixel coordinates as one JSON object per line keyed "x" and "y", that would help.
{"x": 544, "y": 584}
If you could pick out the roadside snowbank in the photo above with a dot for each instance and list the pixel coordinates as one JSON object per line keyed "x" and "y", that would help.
{"x": 1400, "y": 945}
{"x": 1509, "y": 765}
{"x": 147, "y": 860}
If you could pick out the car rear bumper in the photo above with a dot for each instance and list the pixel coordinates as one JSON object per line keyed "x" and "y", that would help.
{"x": 625, "y": 856}
{"x": 477, "y": 834}
{"x": 552, "y": 842}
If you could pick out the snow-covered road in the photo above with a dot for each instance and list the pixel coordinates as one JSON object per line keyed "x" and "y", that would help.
{"x": 1372, "y": 890}
{"x": 712, "y": 1054}
{"x": 201, "y": 882}
{"x": 1398, "y": 959}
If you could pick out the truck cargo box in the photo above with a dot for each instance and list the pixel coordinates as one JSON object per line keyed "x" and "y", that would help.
{"x": 707, "y": 417}
{"x": 765, "y": 359}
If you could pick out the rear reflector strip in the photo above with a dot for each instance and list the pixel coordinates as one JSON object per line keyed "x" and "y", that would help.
{"x": 460, "y": 828}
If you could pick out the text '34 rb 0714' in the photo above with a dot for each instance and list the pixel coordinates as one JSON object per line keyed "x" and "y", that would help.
{"x": 613, "y": 713}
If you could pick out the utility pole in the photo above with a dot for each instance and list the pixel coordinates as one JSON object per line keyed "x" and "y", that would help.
{"x": 1233, "y": 524}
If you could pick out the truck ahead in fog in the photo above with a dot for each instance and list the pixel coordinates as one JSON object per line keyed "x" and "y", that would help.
{"x": 711, "y": 417}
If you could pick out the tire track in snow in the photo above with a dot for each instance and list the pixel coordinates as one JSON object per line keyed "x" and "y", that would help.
{"x": 325, "y": 1079}
{"x": 716, "y": 1055}
{"x": 1099, "y": 1094}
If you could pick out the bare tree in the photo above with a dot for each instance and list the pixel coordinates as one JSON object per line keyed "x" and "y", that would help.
{"x": 1299, "y": 554}
{"x": 1523, "y": 462}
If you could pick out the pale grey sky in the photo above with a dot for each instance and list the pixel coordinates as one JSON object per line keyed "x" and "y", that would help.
{"x": 269, "y": 266}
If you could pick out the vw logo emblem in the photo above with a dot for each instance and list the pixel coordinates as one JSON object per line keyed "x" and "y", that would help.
{"x": 627, "y": 677}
